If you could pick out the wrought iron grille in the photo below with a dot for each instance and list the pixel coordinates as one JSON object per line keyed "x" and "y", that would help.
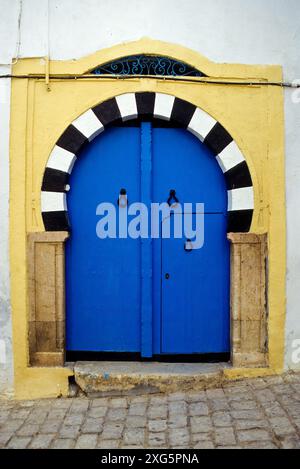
{"x": 147, "y": 65}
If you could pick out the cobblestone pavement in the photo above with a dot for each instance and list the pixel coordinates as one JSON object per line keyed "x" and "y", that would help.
{"x": 256, "y": 413}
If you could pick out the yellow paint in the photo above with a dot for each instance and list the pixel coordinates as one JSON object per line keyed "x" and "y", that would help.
{"x": 252, "y": 115}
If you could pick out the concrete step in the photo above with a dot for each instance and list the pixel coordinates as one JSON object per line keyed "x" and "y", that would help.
{"x": 133, "y": 378}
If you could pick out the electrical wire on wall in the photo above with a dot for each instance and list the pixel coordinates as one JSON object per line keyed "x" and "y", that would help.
{"x": 201, "y": 80}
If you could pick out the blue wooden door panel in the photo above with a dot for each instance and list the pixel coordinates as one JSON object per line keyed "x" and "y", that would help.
{"x": 182, "y": 163}
{"x": 103, "y": 292}
{"x": 117, "y": 296}
{"x": 195, "y": 303}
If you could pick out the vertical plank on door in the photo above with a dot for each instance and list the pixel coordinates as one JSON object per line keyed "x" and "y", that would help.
{"x": 146, "y": 244}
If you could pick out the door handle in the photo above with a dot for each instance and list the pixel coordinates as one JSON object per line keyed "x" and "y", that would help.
{"x": 122, "y": 200}
{"x": 172, "y": 196}
{"x": 188, "y": 245}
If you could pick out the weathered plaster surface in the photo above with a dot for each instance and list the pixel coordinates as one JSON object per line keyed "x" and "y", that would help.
{"x": 5, "y": 319}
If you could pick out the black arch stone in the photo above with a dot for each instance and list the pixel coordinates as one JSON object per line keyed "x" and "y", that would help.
{"x": 239, "y": 221}
{"x": 56, "y": 221}
{"x": 238, "y": 176}
{"x": 182, "y": 112}
{"x": 54, "y": 180}
{"x": 145, "y": 104}
{"x": 108, "y": 112}
{"x": 218, "y": 139}
{"x": 71, "y": 140}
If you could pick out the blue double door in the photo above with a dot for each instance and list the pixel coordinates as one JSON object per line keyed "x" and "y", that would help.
{"x": 151, "y": 296}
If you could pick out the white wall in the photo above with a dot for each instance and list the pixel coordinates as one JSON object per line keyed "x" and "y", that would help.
{"x": 256, "y": 31}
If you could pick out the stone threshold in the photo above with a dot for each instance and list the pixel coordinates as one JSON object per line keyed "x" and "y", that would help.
{"x": 106, "y": 378}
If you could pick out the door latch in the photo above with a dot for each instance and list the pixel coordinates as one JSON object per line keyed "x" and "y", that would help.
{"x": 188, "y": 245}
{"x": 172, "y": 196}
{"x": 122, "y": 200}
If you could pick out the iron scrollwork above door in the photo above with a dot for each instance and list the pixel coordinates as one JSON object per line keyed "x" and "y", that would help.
{"x": 147, "y": 65}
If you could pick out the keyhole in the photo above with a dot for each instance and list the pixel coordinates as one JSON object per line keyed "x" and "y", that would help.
{"x": 167, "y": 276}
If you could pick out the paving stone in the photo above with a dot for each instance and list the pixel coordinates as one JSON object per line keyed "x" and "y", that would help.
{"x": 41, "y": 442}
{"x": 99, "y": 402}
{"x": 108, "y": 444}
{"x": 69, "y": 431}
{"x": 28, "y": 429}
{"x": 221, "y": 419}
{"x": 11, "y": 425}
{"x": 196, "y": 396}
{"x": 196, "y": 437}
{"x": 260, "y": 445}
{"x": 116, "y": 414}
{"x": 247, "y": 414}
{"x": 258, "y": 383}
{"x": 136, "y": 421}
{"x": 250, "y": 424}
{"x": 253, "y": 435}
{"x": 198, "y": 408}
{"x": 92, "y": 426}
{"x": 290, "y": 442}
{"x": 79, "y": 406}
{"x": 204, "y": 445}
{"x": 37, "y": 416}
{"x": 177, "y": 421}
{"x": 176, "y": 396}
{"x": 63, "y": 403}
{"x": 224, "y": 436}
{"x": 243, "y": 405}
{"x": 273, "y": 409}
{"x": 157, "y": 439}
{"x": 137, "y": 409}
{"x": 86, "y": 442}
{"x": 63, "y": 443}
{"x": 157, "y": 425}
{"x": 134, "y": 436}
{"x": 219, "y": 404}
{"x": 158, "y": 400}
{"x": 177, "y": 408}
{"x": 112, "y": 430}
{"x": 178, "y": 436}
{"x": 157, "y": 412}
{"x": 20, "y": 414}
{"x": 282, "y": 389}
{"x": 282, "y": 426}
{"x": 74, "y": 419}
{"x": 215, "y": 394}
{"x": 201, "y": 424}
{"x": 265, "y": 395}
{"x": 50, "y": 426}
{"x": 4, "y": 438}
{"x": 118, "y": 403}
{"x": 96, "y": 412}
{"x": 19, "y": 442}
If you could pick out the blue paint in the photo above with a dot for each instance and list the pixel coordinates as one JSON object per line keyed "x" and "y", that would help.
{"x": 103, "y": 276}
{"x": 118, "y": 298}
{"x": 146, "y": 244}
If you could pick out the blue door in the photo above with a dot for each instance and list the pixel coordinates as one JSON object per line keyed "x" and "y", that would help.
{"x": 143, "y": 295}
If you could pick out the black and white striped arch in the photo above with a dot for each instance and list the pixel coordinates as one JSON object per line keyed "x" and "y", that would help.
{"x": 146, "y": 105}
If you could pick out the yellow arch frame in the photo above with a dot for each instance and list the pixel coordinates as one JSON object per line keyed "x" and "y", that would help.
{"x": 40, "y": 111}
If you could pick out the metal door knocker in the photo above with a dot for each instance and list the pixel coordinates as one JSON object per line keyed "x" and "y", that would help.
{"x": 188, "y": 245}
{"x": 172, "y": 196}
{"x": 122, "y": 200}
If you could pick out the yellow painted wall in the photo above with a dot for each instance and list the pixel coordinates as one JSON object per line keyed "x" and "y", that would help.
{"x": 40, "y": 114}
